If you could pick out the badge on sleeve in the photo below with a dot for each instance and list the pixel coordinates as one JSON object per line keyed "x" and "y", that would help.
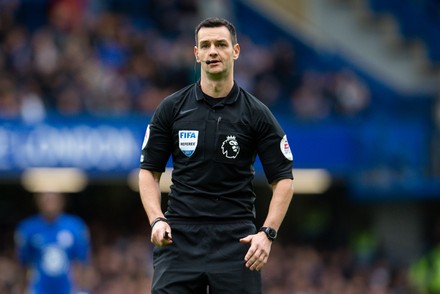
{"x": 146, "y": 137}
{"x": 188, "y": 141}
{"x": 144, "y": 143}
{"x": 285, "y": 148}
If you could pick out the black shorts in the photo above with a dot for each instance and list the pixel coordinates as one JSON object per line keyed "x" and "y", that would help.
{"x": 205, "y": 258}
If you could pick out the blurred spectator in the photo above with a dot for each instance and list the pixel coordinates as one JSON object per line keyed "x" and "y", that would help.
{"x": 18, "y": 51}
{"x": 268, "y": 89}
{"x": 284, "y": 65}
{"x": 253, "y": 64}
{"x": 9, "y": 106}
{"x": 351, "y": 95}
{"x": 10, "y": 276}
{"x": 32, "y": 106}
{"x": 69, "y": 101}
{"x": 424, "y": 273}
{"x": 321, "y": 95}
{"x": 67, "y": 15}
{"x": 222, "y": 8}
{"x": 308, "y": 101}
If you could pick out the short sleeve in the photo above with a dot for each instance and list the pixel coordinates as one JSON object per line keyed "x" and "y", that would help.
{"x": 273, "y": 147}
{"x": 157, "y": 144}
{"x": 82, "y": 242}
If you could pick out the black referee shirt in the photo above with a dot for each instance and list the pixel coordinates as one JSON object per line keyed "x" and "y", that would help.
{"x": 213, "y": 149}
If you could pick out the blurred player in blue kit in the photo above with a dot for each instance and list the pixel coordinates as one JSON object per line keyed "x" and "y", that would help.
{"x": 51, "y": 245}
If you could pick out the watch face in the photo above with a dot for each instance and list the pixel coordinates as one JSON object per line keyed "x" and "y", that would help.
{"x": 272, "y": 233}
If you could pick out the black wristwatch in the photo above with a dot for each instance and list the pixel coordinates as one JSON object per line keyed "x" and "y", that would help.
{"x": 271, "y": 233}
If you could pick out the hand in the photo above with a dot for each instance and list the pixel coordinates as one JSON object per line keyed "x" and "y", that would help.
{"x": 161, "y": 234}
{"x": 258, "y": 252}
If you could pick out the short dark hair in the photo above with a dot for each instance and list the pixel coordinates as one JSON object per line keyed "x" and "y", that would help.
{"x": 215, "y": 22}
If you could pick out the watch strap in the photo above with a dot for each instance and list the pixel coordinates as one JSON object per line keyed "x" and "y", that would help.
{"x": 158, "y": 219}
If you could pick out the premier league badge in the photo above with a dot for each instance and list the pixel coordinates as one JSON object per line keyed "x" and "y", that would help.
{"x": 230, "y": 147}
{"x": 188, "y": 141}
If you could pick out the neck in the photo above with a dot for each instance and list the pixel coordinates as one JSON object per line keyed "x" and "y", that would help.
{"x": 216, "y": 88}
{"x": 50, "y": 217}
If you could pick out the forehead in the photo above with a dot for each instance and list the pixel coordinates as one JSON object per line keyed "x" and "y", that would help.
{"x": 214, "y": 34}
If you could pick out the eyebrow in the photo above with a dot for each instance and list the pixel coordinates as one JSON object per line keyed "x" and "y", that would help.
{"x": 215, "y": 41}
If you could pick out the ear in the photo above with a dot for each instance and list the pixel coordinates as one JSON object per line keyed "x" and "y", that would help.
{"x": 236, "y": 51}
{"x": 196, "y": 54}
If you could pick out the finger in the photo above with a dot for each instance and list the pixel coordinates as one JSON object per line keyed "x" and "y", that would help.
{"x": 252, "y": 257}
{"x": 249, "y": 255}
{"x": 261, "y": 262}
{"x": 257, "y": 261}
{"x": 252, "y": 263}
{"x": 167, "y": 238}
{"x": 260, "y": 266}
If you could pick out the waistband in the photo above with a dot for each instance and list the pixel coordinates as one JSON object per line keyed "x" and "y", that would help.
{"x": 208, "y": 220}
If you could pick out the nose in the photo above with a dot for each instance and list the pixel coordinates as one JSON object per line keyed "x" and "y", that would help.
{"x": 213, "y": 50}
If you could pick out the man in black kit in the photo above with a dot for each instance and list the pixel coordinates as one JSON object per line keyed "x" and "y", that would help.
{"x": 206, "y": 241}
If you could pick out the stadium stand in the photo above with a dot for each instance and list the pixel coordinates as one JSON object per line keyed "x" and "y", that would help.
{"x": 417, "y": 20}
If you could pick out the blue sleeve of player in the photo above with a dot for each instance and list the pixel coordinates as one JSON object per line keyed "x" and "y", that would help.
{"x": 22, "y": 244}
{"x": 82, "y": 243}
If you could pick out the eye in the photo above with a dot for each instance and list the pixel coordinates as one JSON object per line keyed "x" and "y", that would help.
{"x": 204, "y": 45}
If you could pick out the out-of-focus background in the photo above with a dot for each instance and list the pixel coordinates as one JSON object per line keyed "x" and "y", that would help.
{"x": 354, "y": 83}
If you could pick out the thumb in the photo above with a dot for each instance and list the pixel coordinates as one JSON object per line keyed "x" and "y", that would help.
{"x": 247, "y": 239}
{"x": 167, "y": 235}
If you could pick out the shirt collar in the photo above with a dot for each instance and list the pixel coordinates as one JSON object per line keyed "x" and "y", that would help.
{"x": 232, "y": 97}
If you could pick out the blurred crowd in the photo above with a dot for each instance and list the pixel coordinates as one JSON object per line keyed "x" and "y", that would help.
{"x": 123, "y": 265}
{"x": 315, "y": 253}
{"x": 304, "y": 269}
{"x": 74, "y": 57}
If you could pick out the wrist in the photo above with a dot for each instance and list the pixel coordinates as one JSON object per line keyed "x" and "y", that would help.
{"x": 158, "y": 219}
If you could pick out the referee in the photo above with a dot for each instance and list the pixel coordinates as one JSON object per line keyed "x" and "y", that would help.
{"x": 206, "y": 241}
